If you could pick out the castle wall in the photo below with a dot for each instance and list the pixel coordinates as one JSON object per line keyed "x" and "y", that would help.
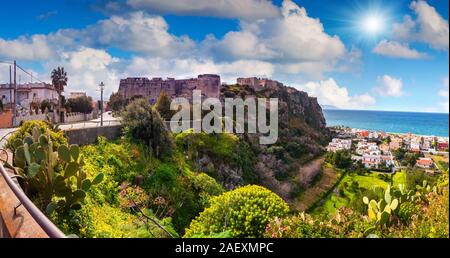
{"x": 209, "y": 84}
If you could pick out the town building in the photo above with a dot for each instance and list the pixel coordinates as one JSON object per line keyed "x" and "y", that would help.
{"x": 442, "y": 144}
{"x": 427, "y": 142}
{"x": 415, "y": 144}
{"x": 28, "y": 95}
{"x": 209, "y": 84}
{"x": 76, "y": 94}
{"x": 339, "y": 144}
{"x": 425, "y": 163}
{"x": 396, "y": 143}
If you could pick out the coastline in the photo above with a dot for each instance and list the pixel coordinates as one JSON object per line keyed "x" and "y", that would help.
{"x": 390, "y": 133}
{"x": 392, "y": 122}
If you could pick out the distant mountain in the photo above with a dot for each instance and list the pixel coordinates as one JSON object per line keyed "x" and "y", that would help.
{"x": 328, "y": 107}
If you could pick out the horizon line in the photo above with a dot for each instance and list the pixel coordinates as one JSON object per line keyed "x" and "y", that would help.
{"x": 376, "y": 110}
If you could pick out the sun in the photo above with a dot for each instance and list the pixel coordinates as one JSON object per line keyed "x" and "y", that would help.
{"x": 372, "y": 24}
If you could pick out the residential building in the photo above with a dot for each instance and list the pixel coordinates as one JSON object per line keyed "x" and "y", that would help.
{"x": 442, "y": 144}
{"x": 76, "y": 94}
{"x": 396, "y": 143}
{"x": 339, "y": 144}
{"x": 28, "y": 94}
{"x": 425, "y": 163}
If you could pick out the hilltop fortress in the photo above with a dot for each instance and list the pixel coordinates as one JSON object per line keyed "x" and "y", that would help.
{"x": 209, "y": 84}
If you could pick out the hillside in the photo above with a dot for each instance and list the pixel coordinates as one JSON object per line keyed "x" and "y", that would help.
{"x": 302, "y": 135}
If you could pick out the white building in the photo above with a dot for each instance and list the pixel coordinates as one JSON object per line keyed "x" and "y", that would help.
{"x": 28, "y": 93}
{"x": 339, "y": 144}
{"x": 76, "y": 94}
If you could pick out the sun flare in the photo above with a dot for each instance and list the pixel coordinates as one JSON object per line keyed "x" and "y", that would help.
{"x": 373, "y": 24}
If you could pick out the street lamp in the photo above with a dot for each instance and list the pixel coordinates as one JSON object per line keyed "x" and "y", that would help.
{"x": 102, "y": 86}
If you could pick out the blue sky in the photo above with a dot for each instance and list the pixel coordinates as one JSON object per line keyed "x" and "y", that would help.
{"x": 378, "y": 55}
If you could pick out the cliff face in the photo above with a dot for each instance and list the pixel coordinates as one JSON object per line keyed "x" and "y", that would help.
{"x": 302, "y": 136}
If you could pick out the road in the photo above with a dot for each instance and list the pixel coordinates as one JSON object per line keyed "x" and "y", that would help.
{"x": 107, "y": 120}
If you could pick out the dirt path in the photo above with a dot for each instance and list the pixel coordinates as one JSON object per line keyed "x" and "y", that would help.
{"x": 326, "y": 181}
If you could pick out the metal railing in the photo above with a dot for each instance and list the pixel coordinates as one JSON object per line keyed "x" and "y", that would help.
{"x": 88, "y": 124}
{"x": 47, "y": 226}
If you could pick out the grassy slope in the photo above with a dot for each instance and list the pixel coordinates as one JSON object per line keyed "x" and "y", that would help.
{"x": 369, "y": 181}
{"x": 325, "y": 182}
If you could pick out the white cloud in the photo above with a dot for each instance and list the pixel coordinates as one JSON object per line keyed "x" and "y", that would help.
{"x": 389, "y": 86}
{"x": 241, "y": 9}
{"x": 396, "y": 49}
{"x": 293, "y": 41}
{"x": 186, "y": 68}
{"x": 328, "y": 92}
{"x": 288, "y": 44}
{"x": 86, "y": 68}
{"x": 137, "y": 31}
{"x": 429, "y": 27}
{"x": 23, "y": 48}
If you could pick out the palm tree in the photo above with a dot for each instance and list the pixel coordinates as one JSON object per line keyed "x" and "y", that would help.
{"x": 59, "y": 79}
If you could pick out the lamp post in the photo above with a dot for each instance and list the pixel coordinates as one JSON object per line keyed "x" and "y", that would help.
{"x": 102, "y": 86}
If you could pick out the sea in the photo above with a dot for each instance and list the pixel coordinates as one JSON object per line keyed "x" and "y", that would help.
{"x": 435, "y": 124}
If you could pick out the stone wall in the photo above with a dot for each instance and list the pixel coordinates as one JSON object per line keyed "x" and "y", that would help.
{"x": 85, "y": 136}
{"x": 209, "y": 84}
{"x": 77, "y": 117}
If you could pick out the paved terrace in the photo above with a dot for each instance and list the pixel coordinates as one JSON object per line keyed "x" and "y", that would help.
{"x": 19, "y": 217}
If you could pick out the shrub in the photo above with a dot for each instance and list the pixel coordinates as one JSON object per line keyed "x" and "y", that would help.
{"x": 244, "y": 212}
{"x": 81, "y": 104}
{"x": 58, "y": 138}
{"x": 116, "y": 102}
{"x": 144, "y": 124}
{"x": 341, "y": 158}
{"x": 345, "y": 223}
{"x": 163, "y": 106}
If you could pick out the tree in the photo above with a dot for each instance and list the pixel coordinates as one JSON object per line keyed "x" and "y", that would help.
{"x": 59, "y": 79}
{"x": 116, "y": 102}
{"x": 341, "y": 158}
{"x": 163, "y": 106}
{"x": 399, "y": 154}
{"x": 81, "y": 104}
{"x": 144, "y": 124}
{"x": 243, "y": 212}
{"x": 45, "y": 104}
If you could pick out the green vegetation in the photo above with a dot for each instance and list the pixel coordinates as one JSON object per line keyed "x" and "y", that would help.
{"x": 163, "y": 106}
{"x": 55, "y": 180}
{"x": 57, "y": 137}
{"x": 46, "y": 106}
{"x": 391, "y": 216}
{"x": 151, "y": 183}
{"x": 222, "y": 148}
{"x": 244, "y": 212}
{"x": 143, "y": 123}
{"x": 341, "y": 159}
{"x": 80, "y": 104}
{"x": 116, "y": 102}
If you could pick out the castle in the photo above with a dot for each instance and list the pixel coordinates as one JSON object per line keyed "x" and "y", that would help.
{"x": 258, "y": 84}
{"x": 209, "y": 84}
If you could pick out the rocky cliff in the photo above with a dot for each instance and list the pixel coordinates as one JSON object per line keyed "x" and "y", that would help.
{"x": 302, "y": 136}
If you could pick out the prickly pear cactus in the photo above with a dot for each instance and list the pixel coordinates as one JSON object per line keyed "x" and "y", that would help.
{"x": 55, "y": 177}
{"x": 381, "y": 211}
